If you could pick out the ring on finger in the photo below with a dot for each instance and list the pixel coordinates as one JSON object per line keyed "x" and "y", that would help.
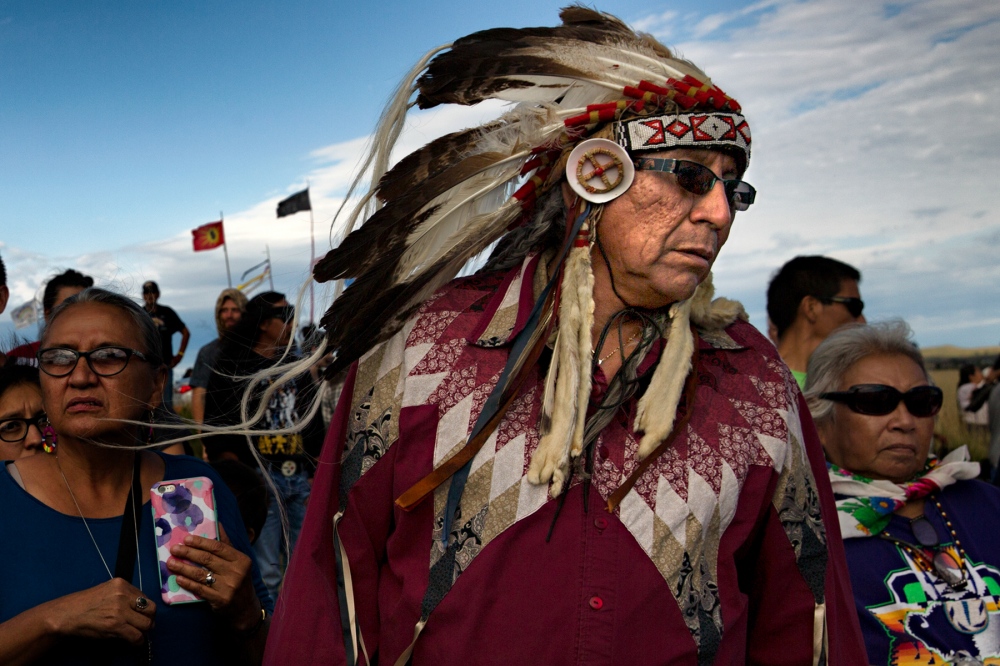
{"x": 209, "y": 578}
{"x": 141, "y": 603}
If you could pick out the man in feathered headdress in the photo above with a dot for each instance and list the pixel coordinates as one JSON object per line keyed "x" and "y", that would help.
{"x": 575, "y": 455}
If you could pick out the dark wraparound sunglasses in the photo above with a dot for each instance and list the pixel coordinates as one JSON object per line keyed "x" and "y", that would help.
{"x": 879, "y": 399}
{"x": 15, "y": 430}
{"x": 854, "y": 305}
{"x": 699, "y": 179}
{"x": 104, "y": 361}
{"x": 285, "y": 313}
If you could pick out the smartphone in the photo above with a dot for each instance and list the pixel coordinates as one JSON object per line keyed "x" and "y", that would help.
{"x": 181, "y": 507}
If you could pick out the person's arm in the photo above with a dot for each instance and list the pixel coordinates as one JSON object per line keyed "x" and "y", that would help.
{"x": 198, "y": 405}
{"x": 104, "y": 611}
{"x": 232, "y": 595}
{"x": 795, "y": 589}
{"x": 185, "y": 336}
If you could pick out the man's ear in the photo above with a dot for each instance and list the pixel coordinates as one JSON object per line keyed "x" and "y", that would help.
{"x": 4, "y": 295}
{"x": 809, "y": 308}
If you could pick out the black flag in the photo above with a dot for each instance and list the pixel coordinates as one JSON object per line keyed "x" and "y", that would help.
{"x": 294, "y": 203}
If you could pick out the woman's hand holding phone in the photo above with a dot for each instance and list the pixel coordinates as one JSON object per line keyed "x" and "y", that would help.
{"x": 231, "y": 592}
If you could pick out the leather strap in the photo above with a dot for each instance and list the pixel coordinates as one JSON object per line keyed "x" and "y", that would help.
{"x": 125, "y": 562}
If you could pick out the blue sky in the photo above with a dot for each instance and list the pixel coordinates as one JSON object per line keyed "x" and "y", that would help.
{"x": 123, "y": 125}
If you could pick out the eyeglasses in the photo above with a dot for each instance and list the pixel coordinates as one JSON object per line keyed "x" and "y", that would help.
{"x": 854, "y": 305}
{"x": 699, "y": 179}
{"x": 104, "y": 361}
{"x": 15, "y": 430}
{"x": 879, "y": 399}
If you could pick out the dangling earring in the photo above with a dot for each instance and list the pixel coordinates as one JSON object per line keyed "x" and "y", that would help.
{"x": 49, "y": 437}
{"x": 149, "y": 435}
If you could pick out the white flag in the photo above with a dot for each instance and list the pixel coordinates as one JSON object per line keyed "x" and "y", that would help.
{"x": 26, "y": 315}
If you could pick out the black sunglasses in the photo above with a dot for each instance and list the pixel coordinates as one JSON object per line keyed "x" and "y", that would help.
{"x": 285, "y": 313}
{"x": 879, "y": 399}
{"x": 699, "y": 179}
{"x": 15, "y": 430}
{"x": 104, "y": 361}
{"x": 854, "y": 305}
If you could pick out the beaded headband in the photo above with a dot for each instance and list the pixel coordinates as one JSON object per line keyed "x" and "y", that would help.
{"x": 684, "y": 130}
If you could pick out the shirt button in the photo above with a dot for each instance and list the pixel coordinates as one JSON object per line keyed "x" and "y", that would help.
{"x": 602, "y": 451}
{"x": 601, "y": 523}
{"x": 596, "y": 603}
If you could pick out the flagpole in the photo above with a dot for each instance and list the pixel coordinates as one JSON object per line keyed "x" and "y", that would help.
{"x": 270, "y": 272}
{"x": 312, "y": 259}
{"x": 225, "y": 250}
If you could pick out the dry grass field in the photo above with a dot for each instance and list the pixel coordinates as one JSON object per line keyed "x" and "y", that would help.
{"x": 949, "y": 424}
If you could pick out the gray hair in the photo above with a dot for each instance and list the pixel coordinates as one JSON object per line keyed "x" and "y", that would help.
{"x": 845, "y": 347}
{"x": 143, "y": 322}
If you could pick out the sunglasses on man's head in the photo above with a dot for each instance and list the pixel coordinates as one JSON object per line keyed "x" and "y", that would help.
{"x": 699, "y": 179}
{"x": 879, "y": 399}
{"x": 853, "y": 304}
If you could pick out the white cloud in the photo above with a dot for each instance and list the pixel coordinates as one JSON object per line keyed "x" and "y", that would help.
{"x": 876, "y": 137}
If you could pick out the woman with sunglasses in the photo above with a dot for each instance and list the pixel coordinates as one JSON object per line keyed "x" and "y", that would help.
{"x": 922, "y": 535}
{"x": 83, "y": 585}
{"x": 20, "y": 412}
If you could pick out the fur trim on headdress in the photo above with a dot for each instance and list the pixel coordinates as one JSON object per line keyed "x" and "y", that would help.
{"x": 658, "y": 405}
{"x": 567, "y": 385}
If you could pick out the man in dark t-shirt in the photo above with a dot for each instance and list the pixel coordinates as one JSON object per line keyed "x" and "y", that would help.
{"x": 168, "y": 323}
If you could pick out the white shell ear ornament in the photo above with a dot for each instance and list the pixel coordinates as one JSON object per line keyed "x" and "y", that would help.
{"x": 599, "y": 170}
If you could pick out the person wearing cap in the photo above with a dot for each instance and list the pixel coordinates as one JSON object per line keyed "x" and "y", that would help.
{"x": 809, "y": 298}
{"x": 167, "y": 323}
{"x": 577, "y": 454}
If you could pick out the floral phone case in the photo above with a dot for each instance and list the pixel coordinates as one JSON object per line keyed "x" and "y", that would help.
{"x": 181, "y": 507}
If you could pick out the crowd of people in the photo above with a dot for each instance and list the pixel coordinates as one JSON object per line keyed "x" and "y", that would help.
{"x": 577, "y": 454}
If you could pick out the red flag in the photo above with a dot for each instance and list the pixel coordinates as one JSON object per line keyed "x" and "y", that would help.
{"x": 208, "y": 236}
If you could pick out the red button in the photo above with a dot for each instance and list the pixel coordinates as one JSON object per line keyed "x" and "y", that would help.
{"x": 602, "y": 451}
{"x": 596, "y": 603}
{"x": 601, "y": 523}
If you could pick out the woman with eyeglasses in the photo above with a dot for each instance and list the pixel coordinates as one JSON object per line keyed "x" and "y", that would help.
{"x": 922, "y": 535}
{"x": 20, "y": 412}
{"x": 83, "y": 581}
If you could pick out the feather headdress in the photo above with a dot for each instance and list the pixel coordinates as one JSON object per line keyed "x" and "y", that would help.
{"x": 451, "y": 199}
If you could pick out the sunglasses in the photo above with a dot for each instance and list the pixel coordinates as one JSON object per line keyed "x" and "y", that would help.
{"x": 879, "y": 399}
{"x": 854, "y": 305}
{"x": 285, "y": 313}
{"x": 103, "y": 361}
{"x": 699, "y": 179}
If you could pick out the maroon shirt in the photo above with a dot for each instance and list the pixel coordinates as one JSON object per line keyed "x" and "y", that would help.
{"x": 726, "y": 550}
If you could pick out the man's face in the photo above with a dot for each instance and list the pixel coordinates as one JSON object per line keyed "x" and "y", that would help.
{"x": 229, "y": 314}
{"x": 275, "y": 332}
{"x": 831, "y": 316}
{"x": 149, "y": 297}
{"x": 662, "y": 240}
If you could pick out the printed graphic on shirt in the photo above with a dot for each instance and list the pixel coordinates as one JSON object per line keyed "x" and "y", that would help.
{"x": 928, "y": 622}
{"x": 281, "y": 413}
